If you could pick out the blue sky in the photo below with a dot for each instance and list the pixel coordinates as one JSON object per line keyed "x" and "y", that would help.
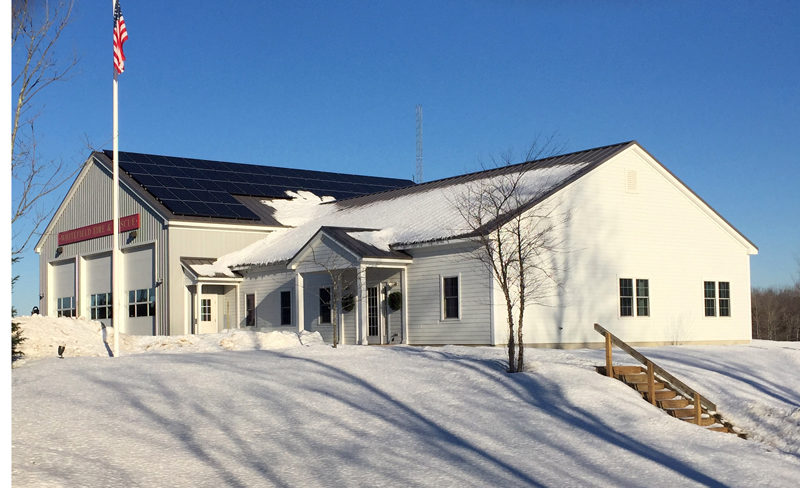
{"x": 710, "y": 90}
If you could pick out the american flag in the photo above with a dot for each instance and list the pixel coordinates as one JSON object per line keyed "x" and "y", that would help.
{"x": 120, "y": 36}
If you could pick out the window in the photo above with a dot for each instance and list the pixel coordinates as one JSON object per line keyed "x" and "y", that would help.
{"x": 142, "y": 303}
{"x": 250, "y": 310}
{"x": 450, "y": 297}
{"x": 205, "y": 310}
{"x": 724, "y": 299}
{"x": 717, "y": 296}
{"x": 286, "y": 308}
{"x": 627, "y": 296}
{"x": 642, "y": 298}
{"x": 101, "y": 306}
{"x": 66, "y": 307}
{"x": 710, "y": 298}
{"x": 372, "y": 311}
{"x": 324, "y": 305}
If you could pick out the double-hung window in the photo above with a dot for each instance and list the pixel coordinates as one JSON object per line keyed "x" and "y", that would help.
{"x": 717, "y": 297}
{"x": 450, "y": 303}
{"x": 325, "y": 305}
{"x": 250, "y": 310}
{"x": 724, "y": 298}
{"x": 286, "y": 308}
{"x": 628, "y": 296}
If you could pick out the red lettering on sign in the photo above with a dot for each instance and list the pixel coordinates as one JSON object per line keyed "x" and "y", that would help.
{"x": 94, "y": 231}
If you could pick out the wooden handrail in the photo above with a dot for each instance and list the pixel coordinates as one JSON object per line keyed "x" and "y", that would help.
{"x": 679, "y": 385}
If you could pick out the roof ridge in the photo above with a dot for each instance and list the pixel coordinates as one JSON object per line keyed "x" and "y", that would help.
{"x": 107, "y": 153}
{"x": 422, "y": 186}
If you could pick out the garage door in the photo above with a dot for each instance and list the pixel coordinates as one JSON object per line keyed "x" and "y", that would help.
{"x": 98, "y": 288}
{"x": 139, "y": 285}
{"x": 62, "y": 290}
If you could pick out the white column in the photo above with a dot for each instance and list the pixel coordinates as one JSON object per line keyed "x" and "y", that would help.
{"x": 197, "y": 294}
{"x": 340, "y": 313}
{"x": 299, "y": 302}
{"x": 404, "y": 313}
{"x": 236, "y": 309}
{"x": 363, "y": 304}
{"x": 82, "y": 307}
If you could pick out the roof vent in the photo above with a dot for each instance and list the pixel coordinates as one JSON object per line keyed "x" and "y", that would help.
{"x": 631, "y": 181}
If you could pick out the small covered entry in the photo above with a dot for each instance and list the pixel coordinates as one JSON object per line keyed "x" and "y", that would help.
{"x": 347, "y": 270}
{"x": 211, "y": 299}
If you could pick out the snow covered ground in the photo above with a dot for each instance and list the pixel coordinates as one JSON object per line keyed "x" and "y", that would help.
{"x": 248, "y": 409}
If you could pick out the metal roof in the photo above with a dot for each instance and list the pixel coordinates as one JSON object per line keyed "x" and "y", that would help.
{"x": 593, "y": 157}
{"x": 204, "y": 188}
{"x": 359, "y": 247}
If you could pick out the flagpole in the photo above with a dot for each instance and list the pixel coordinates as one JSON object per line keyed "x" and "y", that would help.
{"x": 115, "y": 254}
{"x": 120, "y": 36}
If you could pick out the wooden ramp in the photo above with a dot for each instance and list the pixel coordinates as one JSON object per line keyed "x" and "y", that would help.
{"x": 662, "y": 389}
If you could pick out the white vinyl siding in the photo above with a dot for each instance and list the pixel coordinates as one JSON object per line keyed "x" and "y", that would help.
{"x": 667, "y": 236}
{"x": 267, "y": 284}
{"x": 425, "y": 314}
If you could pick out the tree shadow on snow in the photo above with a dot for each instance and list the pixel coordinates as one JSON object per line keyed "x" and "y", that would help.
{"x": 375, "y": 436}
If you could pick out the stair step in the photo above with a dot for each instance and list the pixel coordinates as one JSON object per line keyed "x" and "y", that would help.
{"x": 644, "y": 387}
{"x": 628, "y": 369}
{"x": 704, "y": 421}
{"x": 661, "y": 395}
{"x": 681, "y": 412}
{"x": 673, "y": 403}
{"x": 633, "y": 378}
{"x": 719, "y": 429}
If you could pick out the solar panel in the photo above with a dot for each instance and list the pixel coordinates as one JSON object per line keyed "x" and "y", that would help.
{"x": 202, "y": 188}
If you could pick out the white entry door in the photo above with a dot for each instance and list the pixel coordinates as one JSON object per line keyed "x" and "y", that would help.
{"x": 208, "y": 314}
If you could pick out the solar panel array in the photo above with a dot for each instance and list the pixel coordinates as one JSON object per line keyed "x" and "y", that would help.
{"x": 201, "y": 188}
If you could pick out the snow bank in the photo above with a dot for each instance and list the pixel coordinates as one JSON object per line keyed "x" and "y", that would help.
{"x": 311, "y": 338}
{"x": 83, "y": 337}
{"x": 43, "y": 335}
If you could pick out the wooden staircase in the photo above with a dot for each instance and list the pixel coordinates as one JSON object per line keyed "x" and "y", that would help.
{"x": 662, "y": 389}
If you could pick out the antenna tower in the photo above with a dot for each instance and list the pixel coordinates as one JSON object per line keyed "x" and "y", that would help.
{"x": 418, "y": 177}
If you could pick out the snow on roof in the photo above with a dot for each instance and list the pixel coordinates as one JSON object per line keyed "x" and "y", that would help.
{"x": 428, "y": 212}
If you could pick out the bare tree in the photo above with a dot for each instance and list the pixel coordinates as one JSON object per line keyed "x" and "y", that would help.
{"x": 517, "y": 240}
{"x": 776, "y": 313}
{"x": 36, "y": 29}
{"x": 343, "y": 277}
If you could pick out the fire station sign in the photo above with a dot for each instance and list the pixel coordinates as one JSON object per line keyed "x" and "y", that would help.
{"x": 94, "y": 231}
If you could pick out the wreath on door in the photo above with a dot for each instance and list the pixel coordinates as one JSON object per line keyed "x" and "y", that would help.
{"x": 395, "y": 301}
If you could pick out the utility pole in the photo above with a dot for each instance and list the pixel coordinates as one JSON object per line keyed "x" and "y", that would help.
{"x": 418, "y": 177}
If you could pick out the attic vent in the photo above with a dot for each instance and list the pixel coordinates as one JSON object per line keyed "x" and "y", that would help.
{"x": 631, "y": 183}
